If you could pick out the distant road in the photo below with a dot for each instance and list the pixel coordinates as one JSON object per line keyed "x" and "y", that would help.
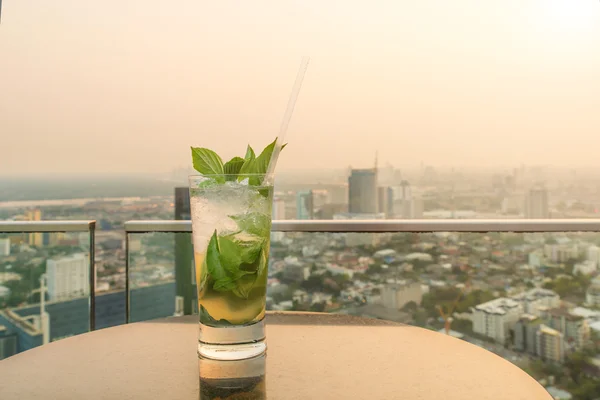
{"x": 63, "y": 202}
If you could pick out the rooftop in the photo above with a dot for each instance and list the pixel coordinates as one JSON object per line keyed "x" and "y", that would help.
{"x": 563, "y": 312}
{"x": 549, "y": 331}
{"x": 534, "y": 294}
{"x": 498, "y": 306}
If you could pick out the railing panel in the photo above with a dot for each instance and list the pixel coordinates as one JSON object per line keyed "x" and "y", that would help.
{"x": 46, "y": 282}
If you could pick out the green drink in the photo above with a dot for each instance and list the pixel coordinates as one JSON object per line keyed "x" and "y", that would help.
{"x": 231, "y": 223}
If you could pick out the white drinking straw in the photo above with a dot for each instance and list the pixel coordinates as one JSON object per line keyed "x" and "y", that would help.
{"x": 286, "y": 119}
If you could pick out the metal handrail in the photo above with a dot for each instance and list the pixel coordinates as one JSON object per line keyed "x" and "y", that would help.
{"x": 407, "y": 225}
{"x": 59, "y": 227}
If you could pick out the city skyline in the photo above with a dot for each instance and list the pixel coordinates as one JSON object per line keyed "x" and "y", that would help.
{"x": 470, "y": 83}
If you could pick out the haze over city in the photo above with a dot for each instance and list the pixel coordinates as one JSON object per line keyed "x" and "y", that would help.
{"x": 126, "y": 87}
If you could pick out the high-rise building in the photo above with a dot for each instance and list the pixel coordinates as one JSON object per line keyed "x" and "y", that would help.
{"x": 385, "y": 200}
{"x": 184, "y": 260}
{"x": 537, "y": 299}
{"x": 526, "y": 333}
{"x": 536, "y": 203}
{"x": 8, "y": 343}
{"x": 305, "y": 206}
{"x": 406, "y": 205}
{"x": 338, "y": 194}
{"x": 34, "y": 239}
{"x": 4, "y": 247}
{"x": 68, "y": 276}
{"x": 362, "y": 191}
{"x": 575, "y": 328}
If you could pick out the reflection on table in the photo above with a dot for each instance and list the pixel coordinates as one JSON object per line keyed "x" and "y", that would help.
{"x": 242, "y": 379}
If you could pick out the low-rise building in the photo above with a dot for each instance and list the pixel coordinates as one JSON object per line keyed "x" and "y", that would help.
{"x": 495, "y": 318}
{"x": 592, "y": 295}
{"x": 397, "y": 295}
{"x": 294, "y": 270}
{"x": 587, "y": 267}
{"x": 4, "y": 247}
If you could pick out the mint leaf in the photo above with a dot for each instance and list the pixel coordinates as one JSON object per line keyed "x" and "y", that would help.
{"x": 233, "y": 167}
{"x": 255, "y": 223}
{"x": 206, "y": 319}
{"x": 207, "y": 162}
{"x": 249, "y": 154}
{"x": 249, "y": 282}
{"x": 262, "y": 161}
{"x": 230, "y": 254}
{"x": 257, "y": 165}
{"x": 250, "y": 249}
{"x": 223, "y": 282}
{"x": 244, "y": 286}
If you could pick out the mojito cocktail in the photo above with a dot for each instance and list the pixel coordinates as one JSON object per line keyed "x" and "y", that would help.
{"x": 231, "y": 223}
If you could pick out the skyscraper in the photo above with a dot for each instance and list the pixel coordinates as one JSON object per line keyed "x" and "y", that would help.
{"x": 536, "y": 203}
{"x": 34, "y": 239}
{"x": 305, "y": 205}
{"x": 385, "y": 201}
{"x": 184, "y": 260}
{"x": 68, "y": 277}
{"x": 362, "y": 191}
{"x": 405, "y": 205}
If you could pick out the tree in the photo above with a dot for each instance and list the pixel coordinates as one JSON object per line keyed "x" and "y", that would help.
{"x": 410, "y": 307}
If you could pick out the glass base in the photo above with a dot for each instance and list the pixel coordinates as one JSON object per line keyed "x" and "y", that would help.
{"x": 231, "y": 352}
{"x": 232, "y": 342}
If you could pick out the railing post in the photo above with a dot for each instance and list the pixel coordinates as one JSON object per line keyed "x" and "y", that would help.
{"x": 92, "y": 233}
{"x": 127, "y": 297}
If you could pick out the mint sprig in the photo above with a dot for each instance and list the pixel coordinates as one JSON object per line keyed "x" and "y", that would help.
{"x": 207, "y": 162}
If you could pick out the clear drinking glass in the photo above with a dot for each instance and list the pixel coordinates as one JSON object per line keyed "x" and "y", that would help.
{"x": 231, "y": 223}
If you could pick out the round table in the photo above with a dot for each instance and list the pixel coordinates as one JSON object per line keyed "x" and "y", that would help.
{"x": 309, "y": 356}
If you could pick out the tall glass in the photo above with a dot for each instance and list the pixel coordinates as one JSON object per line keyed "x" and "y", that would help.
{"x": 231, "y": 223}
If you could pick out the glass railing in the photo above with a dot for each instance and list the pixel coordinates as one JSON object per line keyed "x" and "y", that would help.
{"x": 47, "y": 282}
{"x": 451, "y": 276}
{"x": 526, "y": 290}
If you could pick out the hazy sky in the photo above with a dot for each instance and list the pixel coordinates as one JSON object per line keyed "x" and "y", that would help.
{"x": 129, "y": 85}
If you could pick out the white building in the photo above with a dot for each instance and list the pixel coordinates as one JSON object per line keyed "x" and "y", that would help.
{"x": 561, "y": 253}
{"x": 495, "y": 318}
{"x": 278, "y": 214}
{"x": 68, "y": 277}
{"x": 535, "y": 259}
{"x": 396, "y": 295}
{"x": 536, "y": 203}
{"x": 533, "y": 299}
{"x": 593, "y": 254}
{"x": 338, "y": 270}
{"x": 587, "y": 267}
{"x": 592, "y": 295}
{"x": 4, "y": 247}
